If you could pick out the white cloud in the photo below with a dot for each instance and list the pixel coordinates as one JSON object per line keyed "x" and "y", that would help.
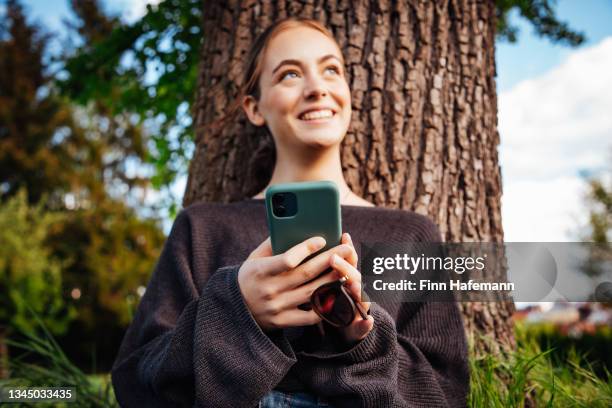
{"x": 131, "y": 9}
{"x": 543, "y": 210}
{"x": 552, "y": 127}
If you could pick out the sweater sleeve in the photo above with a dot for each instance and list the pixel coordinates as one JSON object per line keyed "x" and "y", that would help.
{"x": 417, "y": 359}
{"x": 185, "y": 348}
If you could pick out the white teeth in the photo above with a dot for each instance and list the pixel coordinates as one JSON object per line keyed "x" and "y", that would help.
{"x": 320, "y": 114}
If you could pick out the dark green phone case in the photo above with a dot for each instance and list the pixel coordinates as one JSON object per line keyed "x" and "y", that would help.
{"x": 318, "y": 214}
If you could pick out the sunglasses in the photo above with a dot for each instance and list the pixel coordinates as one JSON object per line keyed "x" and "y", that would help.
{"x": 334, "y": 304}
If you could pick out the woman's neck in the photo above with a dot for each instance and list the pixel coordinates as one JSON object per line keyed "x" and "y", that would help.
{"x": 314, "y": 167}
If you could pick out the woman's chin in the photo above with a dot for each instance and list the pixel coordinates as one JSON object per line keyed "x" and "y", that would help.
{"x": 322, "y": 141}
{"x": 320, "y": 138}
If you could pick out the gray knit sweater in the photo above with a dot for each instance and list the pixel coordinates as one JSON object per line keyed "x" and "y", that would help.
{"x": 193, "y": 341}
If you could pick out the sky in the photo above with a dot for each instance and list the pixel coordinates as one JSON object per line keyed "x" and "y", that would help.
{"x": 52, "y": 12}
{"x": 555, "y": 118}
{"x": 555, "y": 124}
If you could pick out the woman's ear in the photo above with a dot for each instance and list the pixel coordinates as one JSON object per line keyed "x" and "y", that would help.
{"x": 249, "y": 105}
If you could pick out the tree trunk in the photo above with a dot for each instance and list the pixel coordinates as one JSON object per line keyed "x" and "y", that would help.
{"x": 423, "y": 135}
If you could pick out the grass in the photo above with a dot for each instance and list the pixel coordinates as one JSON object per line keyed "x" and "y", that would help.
{"x": 528, "y": 377}
{"x": 54, "y": 369}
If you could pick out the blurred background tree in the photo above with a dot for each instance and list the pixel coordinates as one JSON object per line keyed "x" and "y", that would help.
{"x": 147, "y": 68}
{"x": 30, "y": 274}
{"x": 599, "y": 231}
{"x": 84, "y": 160}
{"x": 34, "y": 123}
{"x": 600, "y": 211}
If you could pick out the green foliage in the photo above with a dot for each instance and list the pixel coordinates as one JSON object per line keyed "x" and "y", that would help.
{"x": 600, "y": 214}
{"x": 54, "y": 369}
{"x": 30, "y": 276}
{"x": 599, "y": 227}
{"x": 529, "y": 372}
{"x": 148, "y": 68}
{"x": 112, "y": 252}
{"x": 541, "y": 14}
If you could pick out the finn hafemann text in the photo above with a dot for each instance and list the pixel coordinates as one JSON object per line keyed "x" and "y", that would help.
{"x": 426, "y": 284}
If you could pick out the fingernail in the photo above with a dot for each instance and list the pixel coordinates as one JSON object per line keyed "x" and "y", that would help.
{"x": 319, "y": 242}
{"x": 349, "y": 237}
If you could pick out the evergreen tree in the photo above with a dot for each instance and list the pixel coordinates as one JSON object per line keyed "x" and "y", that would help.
{"x": 599, "y": 227}
{"x": 600, "y": 215}
{"x": 34, "y": 124}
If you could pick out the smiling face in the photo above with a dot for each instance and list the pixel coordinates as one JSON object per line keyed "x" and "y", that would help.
{"x": 304, "y": 97}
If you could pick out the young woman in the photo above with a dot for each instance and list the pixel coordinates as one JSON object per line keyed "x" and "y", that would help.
{"x": 219, "y": 324}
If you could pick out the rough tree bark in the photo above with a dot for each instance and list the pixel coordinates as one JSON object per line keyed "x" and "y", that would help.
{"x": 423, "y": 135}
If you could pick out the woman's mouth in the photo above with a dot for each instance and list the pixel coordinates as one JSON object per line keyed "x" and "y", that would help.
{"x": 316, "y": 116}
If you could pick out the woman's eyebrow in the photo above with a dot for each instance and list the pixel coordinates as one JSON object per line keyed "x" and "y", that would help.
{"x": 298, "y": 63}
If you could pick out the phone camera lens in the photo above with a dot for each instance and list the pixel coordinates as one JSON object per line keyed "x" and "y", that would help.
{"x": 278, "y": 199}
{"x": 284, "y": 204}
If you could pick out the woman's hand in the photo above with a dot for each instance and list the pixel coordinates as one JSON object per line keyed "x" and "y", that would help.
{"x": 359, "y": 328}
{"x": 274, "y": 285}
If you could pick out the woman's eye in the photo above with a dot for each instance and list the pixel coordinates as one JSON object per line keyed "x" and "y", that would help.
{"x": 333, "y": 69}
{"x": 289, "y": 75}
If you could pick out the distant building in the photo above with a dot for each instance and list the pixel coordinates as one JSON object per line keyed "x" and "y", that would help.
{"x": 572, "y": 319}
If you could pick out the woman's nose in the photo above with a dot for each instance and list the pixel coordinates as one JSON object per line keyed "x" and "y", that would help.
{"x": 314, "y": 88}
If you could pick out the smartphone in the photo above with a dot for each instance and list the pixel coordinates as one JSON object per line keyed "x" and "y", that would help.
{"x": 298, "y": 211}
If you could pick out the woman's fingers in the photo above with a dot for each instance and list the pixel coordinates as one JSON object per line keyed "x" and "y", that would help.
{"x": 275, "y": 285}
{"x": 353, "y": 285}
{"x": 290, "y": 259}
{"x": 264, "y": 249}
{"x": 303, "y": 293}
{"x": 314, "y": 267}
{"x": 294, "y": 317}
{"x": 358, "y": 329}
{"x": 354, "y": 276}
{"x": 361, "y": 325}
{"x": 347, "y": 240}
